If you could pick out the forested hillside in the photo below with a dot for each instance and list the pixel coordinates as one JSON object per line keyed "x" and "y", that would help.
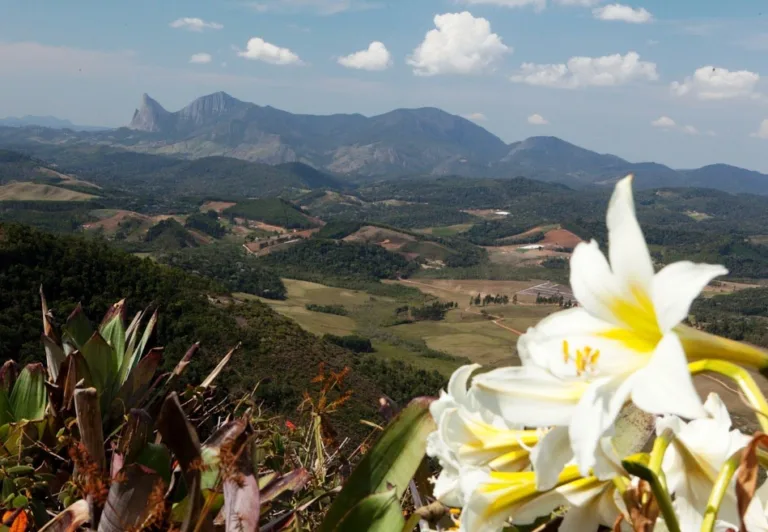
{"x": 274, "y": 349}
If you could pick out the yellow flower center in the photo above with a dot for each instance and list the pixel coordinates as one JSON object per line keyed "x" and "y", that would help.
{"x": 585, "y": 358}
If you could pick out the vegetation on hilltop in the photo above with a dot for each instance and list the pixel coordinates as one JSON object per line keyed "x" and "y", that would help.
{"x": 273, "y": 211}
{"x": 231, "y": 266}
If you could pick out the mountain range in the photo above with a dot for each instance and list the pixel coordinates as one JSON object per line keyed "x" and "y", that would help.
{"x": 403, "y": 142}
{"x": 45, "y": 121}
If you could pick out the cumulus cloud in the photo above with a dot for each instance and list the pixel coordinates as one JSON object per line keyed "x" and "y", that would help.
{"x": 475, "y": 117}
{"x": 664, "y": 122}
{"x": 762, "y": 131}
{"x": 623, "y": 13}
{"x": 459, "y": 44}
{"x": 578, "y": 72}
{"x": 376, "y": 57}
{"x": 258, "y": 49}
{"x": 201, "y": 58}
{"x": 712, "y": 83}
{"x": 194, "y": 24}
{"x": 537, "y": 120}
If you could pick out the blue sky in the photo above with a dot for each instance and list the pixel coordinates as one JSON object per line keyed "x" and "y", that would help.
{"x": 637, "y": 88}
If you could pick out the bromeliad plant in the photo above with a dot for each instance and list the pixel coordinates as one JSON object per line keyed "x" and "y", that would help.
{"x": 112, "y": 358}
{"x": 559, "y": 441}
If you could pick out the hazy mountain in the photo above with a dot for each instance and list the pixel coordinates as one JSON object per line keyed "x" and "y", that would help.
{"x": 45, "y": 121}
{"x": 403, "y": 142}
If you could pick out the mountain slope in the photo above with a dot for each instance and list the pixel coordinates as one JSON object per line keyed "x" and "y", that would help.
{"x": 45, "y": 121}
{"x": 404, "y": 142}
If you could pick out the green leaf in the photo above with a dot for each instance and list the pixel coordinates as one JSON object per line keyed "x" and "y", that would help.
{"x": 156, "y": 457}
{"x": 54, "y": 356}
{"x": 101, "y": 361}
{"x": 392, "y": 461}
{"x": 29, "y": 398}
{"x": 6, "y": 412}
{"x": 77, "y": 327}
{"x": 140, "y": 379}
{"x": 375, "y": 513}
{"x": 112, "y": 329}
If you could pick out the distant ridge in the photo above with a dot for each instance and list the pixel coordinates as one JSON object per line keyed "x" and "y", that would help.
{"x": 401, "y": 143}
{"x": 45, "y": 121}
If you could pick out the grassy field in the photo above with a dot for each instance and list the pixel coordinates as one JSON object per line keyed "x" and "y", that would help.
{"x": 463, "y": 333}
{"x": 445, "y": 230}
{"x": 37, "y": 192}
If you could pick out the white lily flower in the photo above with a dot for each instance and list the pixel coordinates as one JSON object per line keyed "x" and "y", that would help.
{"x": 580, "y": 366}
{"x": 467, "y": 436}
{"x": 496, "y": 497}
{"x": 692, "y": 462}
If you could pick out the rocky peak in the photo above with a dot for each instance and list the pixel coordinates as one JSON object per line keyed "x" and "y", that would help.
{"x": 149, "y": 116}
{"x": 207, "y": 108}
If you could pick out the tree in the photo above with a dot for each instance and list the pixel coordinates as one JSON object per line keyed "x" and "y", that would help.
{"x": 514, "y": 299}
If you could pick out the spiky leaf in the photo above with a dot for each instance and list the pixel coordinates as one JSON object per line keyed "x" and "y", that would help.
{"x": 29, "y": 398}
{"x": 54, "y": 356}
{"x": 102, "y": 362}
{"x": 77, "y": 328}
{"x": 393, "y": 460}
{"x": 112, "y": 329}
{"x": 128, "y": 501}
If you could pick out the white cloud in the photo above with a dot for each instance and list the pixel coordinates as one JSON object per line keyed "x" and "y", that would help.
{"x": 603, "y": 71}
{"x": 321, "y": 7}
{"x": 201, "y": 58}
{"x": 623, "y": 13}
{"x": 459, "y": 44}
{"x": 376, "y": 57}
{"x": 762, "y": 131}
{"x": 664, "y": 122}
{"x": 537, "y": 120}
{"x": 194, "y": 24}
{"x": 260, "y": 50}
{"x": 712, "y": 83}
{"x": 475, "y": 117}
{"x": 690, "y": 130}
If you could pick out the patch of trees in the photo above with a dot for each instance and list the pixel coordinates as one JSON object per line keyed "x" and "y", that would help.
{"x": 169, "y": 234}
{"x": 555, "y": 263}
{"x": 356, "y": 344}
{"x": 338, "y": 229}
{"x": 207, "y": 223}
{"x": 559, "y": 300}
{"x": 230, "y": 266}
{"x": 273, "y": 211}
{"x": 328, "y": 258}
{"x": 434, "y": 311}
{"x": 489, "y": 299}
{"x": 338, "y": 310}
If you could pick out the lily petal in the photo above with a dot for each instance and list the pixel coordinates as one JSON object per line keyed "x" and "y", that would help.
{"x": 550, "y": 456}
{"x": 630, "y": 260}
{"x": 593, "y": 283}
{"x": 595, "y": 415}
{"x": 572, "y": 342}
{"x": 676, "y": 286}
{"x": 527, "y": 395}
{"x": 664, "y": 386}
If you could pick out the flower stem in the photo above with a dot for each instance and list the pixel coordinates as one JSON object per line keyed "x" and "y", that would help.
{"x": 657, "y": 455}
{"x": 719, "y": 490}
{"x": 744, "y": 380}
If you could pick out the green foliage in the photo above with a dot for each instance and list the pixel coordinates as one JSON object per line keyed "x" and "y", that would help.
{"x": 231, "y": 266}
{"x": 338, "y": 229}
{"x": 207, "y": 223}
{"x": 356, "y": 344}
{"x": 341, "y": 260}
{"x": 273, "y": 211}
{"x": 389, "y": 465}
{"x": 168, "y": 235}
{"x": 338, "y": 310}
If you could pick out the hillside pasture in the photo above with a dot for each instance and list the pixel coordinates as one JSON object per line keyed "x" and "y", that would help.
{"x": 22, "y": 191}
